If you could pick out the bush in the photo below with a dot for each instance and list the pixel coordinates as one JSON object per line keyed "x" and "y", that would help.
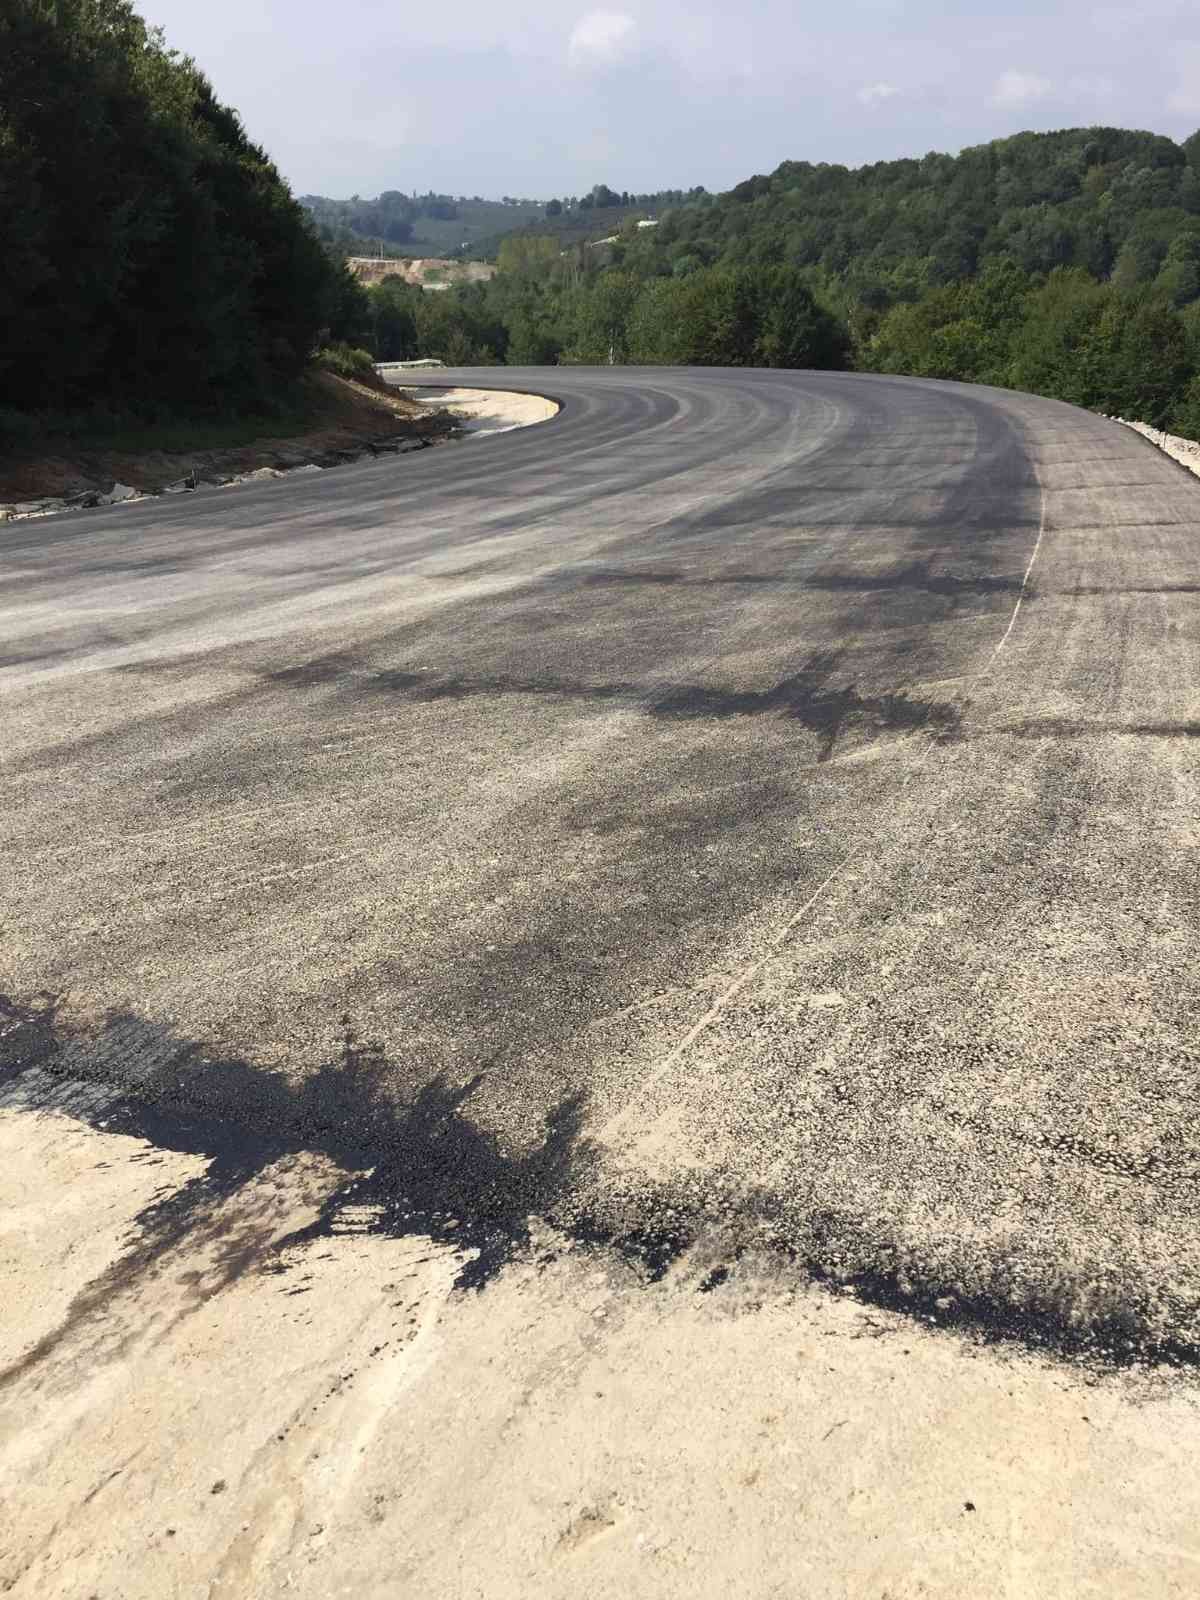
{"x": 346, "y": 360}
{"x": 1185, "y": 419}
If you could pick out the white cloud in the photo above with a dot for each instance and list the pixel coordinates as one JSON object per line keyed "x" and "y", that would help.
{"x": 1019, "y": 88}
{"x": 872, "y": 93}
{"x": 602, "y": 39}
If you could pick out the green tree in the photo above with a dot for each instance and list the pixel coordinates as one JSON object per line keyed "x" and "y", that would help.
{"x": 528, "y": 255}
{"x": 460, "y": 326}
{"x": 151, "y": 259}
{"x": 1054, "y": 348}
{"x": 601, "y": 317}
{"x": 1137, "y": 361}
{"x": 1146, "y": 247}
{"x": 1179, "y": 280}
{"x": 790, "y": 328}
{"x": 1185, "y": 414}
{"x": 393, "y": 307}
{"x": 656, "y": 330}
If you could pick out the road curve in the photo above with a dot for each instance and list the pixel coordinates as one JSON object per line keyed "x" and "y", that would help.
{"x": 749, "y": 803}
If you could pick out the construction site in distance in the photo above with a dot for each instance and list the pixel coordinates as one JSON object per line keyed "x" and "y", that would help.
{"x": 426, "y": 272}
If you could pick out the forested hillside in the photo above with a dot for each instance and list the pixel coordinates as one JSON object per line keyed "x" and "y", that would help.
{"x": 395, "y": 223}
{"x": 581, "y": 219}
{"x": 1066, "y": 263}
{"x": 152, "y": 261}
{"x": 1109, "y": 201}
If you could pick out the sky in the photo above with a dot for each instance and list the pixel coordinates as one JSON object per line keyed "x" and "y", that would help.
{"x": 540, "y": 98}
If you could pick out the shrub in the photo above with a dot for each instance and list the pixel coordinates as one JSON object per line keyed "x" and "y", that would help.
{"x": 346, "y": 360}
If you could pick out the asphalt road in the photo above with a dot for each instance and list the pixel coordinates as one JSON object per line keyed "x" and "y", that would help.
{"x": 751, "y": 804}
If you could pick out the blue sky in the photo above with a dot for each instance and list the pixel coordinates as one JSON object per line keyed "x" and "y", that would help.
{"x": 538, "y": 97}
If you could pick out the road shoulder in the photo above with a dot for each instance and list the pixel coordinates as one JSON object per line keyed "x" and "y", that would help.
{"x": 191, "y": 1375}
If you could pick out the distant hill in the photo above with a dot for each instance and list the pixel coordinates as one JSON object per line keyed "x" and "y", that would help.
{"x": 418, "y": 225}
{"x": 441, "y": 225}
{"x": 598, "y": 215}
{"x": 570, "y": 228}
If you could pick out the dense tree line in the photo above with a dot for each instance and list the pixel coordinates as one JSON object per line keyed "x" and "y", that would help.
{"x": 1064, "y": 263}
{"x": 151, "y": 258}
{"x": 601, "y": 198}
{"x": 1124, "y": 352}
{"x": 538, "y": 312}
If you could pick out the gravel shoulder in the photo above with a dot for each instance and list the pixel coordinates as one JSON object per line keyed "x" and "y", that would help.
{"x": 1185, "y": 451}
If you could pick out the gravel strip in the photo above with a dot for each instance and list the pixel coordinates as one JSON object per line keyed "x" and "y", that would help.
{"x": 1185, "y": 451}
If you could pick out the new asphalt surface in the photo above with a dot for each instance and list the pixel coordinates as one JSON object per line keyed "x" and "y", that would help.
{"x": 758, "y": 805}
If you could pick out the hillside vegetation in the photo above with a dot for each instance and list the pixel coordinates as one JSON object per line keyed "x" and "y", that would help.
{"x": 431, "y": 224}
{"x": 583, "y": 219}
{"x": 152, "y": 261}
{"x": 1111, "y": 202}
{"x": 1065, "y": 263}
{"x": 400, "y": 224}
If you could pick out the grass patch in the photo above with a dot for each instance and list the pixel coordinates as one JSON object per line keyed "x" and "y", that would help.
{"x": 346, "y": 360}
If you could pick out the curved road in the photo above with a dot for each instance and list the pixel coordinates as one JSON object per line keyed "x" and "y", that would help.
{"x": 752, "y": 802}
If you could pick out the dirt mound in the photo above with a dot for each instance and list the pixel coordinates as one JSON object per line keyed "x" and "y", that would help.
{"x": 425, "y": 271}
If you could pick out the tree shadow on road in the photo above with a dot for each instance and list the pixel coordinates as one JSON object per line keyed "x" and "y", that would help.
{"x": 416, "y": 1167}
{"x": 810, "y": 696}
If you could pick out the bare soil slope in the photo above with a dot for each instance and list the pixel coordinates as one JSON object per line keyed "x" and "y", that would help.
{"x": 349, "y": 419}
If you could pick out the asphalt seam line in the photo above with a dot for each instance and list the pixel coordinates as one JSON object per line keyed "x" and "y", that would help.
{"x": 1024, "y": 582}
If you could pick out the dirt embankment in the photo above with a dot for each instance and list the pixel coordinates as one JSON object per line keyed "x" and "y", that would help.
{"x": 349, "y": 419}
{"x": 425, "y": 272}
